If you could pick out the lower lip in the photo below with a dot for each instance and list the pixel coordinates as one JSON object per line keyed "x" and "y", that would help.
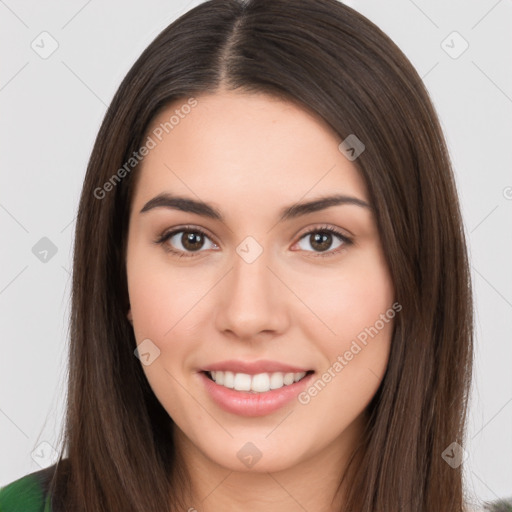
{"x": 253, "y": 404}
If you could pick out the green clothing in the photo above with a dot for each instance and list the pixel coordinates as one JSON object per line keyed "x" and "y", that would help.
{"x": 30, "y": 494}
{"x": 27, "y": 494}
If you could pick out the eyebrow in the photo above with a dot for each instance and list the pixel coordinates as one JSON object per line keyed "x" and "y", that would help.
{"x": 185, "y": 204}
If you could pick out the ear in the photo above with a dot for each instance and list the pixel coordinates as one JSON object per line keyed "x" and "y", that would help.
{"x": 129, "y": 316}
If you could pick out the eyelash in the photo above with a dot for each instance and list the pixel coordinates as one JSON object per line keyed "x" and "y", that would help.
{"x": 164, "y": 237}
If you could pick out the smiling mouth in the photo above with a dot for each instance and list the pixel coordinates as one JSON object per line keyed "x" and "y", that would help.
{"x": 259, "y": 383}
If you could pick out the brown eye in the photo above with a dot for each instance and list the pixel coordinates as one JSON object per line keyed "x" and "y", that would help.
{"x": 321, "y": 241}
{"x": 324, "y": 240}
{"x": 185, "y": 242}
{"x": 192, "y": 241}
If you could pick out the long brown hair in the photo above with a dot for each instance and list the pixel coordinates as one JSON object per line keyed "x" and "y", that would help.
{"x": 117, "y": 451}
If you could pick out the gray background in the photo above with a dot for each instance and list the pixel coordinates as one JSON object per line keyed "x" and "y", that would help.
{"x": 51, "y": 111}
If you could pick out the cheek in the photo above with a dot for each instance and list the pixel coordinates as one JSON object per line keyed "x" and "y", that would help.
{"x": 349, "y": 302}
{"x": 358, "y": 308}
{"x": 167, "y": 307}
{"x": 162, "y": 296}
{"x": 164, "y": 302}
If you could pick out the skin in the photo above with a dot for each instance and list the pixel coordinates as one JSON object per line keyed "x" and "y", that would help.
{"x": 250, "y": 155}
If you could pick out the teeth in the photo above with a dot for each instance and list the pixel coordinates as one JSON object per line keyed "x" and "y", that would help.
{"x": 229, "y": 379}
{"x": 242, "y": 382}
{"x": 260, "y": 383}
{"x": 288, "y": 378}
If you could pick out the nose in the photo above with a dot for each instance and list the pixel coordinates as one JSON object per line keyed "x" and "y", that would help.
{"x": 252, "y": 301}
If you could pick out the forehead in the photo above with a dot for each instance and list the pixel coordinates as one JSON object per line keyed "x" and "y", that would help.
{"x": 250, "y": 147}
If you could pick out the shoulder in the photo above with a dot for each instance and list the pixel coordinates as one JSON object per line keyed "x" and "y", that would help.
{"x": 502, "y": 505}
{"x": 28, "y": 493}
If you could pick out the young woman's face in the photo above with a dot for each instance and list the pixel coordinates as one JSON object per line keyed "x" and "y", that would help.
{"x": 253, "y": 286}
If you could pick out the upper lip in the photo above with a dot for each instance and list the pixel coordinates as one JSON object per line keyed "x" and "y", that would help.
{"x": 253, "y": 367}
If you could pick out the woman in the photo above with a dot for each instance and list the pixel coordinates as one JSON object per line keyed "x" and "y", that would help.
{"x": 271, "y": 299}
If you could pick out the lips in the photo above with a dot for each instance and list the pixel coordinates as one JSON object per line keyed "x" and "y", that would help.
{"x": 249, "y": 403}
{"x": 254, "y": 367}
{"x": 253, "y": 388}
